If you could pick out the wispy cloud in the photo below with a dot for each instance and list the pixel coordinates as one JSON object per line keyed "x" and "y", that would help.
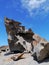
{"x": 35, "y": 6}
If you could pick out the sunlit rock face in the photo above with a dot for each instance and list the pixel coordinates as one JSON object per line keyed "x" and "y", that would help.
{"x": 20, "y": 40}
{"x": 41, "y": 48}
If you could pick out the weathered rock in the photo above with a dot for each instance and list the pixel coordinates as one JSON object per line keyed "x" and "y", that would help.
{"x": 17, "y": 34}
{"x": 17, "y": 57}
{"x": 21, "y": 40}
{"x": 20, "y": 56}
{"x": 41, "y": 50}
{"x": 37, "y": 38}
{"x": 4, "y": 48}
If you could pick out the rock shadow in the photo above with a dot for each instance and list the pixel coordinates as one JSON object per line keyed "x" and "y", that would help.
{"x": 10, "y": 53}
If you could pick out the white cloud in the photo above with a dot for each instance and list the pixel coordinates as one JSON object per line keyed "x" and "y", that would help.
{"x": 34, "y": 6}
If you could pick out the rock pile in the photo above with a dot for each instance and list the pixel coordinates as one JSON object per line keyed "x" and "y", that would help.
{"x": 20, "y": 40}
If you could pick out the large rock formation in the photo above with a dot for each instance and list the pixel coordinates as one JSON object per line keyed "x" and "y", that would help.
{"x": 21, "y": 40}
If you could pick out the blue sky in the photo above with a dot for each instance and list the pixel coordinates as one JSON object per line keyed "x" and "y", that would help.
{"x": 33, "y": 14}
